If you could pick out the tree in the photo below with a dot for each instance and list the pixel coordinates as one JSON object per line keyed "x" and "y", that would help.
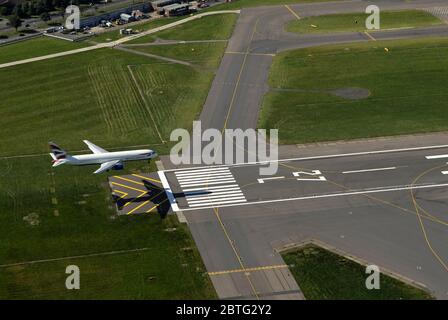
{"x": 25, "y": 9}
{"x": 40, "y": 7}
{"x": 14, "y": 21}
{"x": 18, "y": 11}
{"x": 31, "y": 9}
{"x": 45, "y": 16}
{"x": 4, "y": 11}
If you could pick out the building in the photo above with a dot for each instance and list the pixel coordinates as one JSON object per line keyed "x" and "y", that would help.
{"x": 126, "y": 18}
{"x": 114, "y": 15}
{"x": 177, "y": 9}
{"x": 163, "y": 3}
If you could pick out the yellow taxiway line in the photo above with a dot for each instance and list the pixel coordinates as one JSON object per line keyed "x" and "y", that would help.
{"x": 217, "y": 273}
{"x": 369, "y": 35}
{"x": 293, "y": 12}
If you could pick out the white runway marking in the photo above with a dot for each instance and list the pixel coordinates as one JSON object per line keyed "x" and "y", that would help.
{"x": 440, "y": 156}
{"x": 369, "y": 170}
{"x": 224, "y": 189}
{"x": 169, "y": 193}
{"x": 267, "y": 179}
{"x": 230, "y": 186}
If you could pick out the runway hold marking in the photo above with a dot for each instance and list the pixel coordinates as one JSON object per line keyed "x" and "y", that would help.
{"x": 209, "y": 187}
{"x": 315, "y": 174}
{"x": 267, "y": 179}
{"x": 369, "y": 170}
{"x": 293, "y": 12}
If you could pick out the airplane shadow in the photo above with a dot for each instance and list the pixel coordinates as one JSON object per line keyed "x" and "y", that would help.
{"x": 162, "y": 201}
{"x": 157, "y": 196}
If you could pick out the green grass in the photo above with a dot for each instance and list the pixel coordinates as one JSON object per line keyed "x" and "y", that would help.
{"x": 216, "y": 27}
{"x": 85, "y": 226}
{"x": 92, "y": 96}
{"x": 406, "y": 84}
{"x": 324, "y": 275}
{"x": 239, "y": 4}
{"x": 356, "y": 21}
{"x": 206, "y": 55}
{"x": 35, "y": 47}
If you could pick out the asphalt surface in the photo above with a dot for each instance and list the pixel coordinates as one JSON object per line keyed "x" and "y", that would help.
{"x": 382, "y": 207}
{"x": 139, "y": 194}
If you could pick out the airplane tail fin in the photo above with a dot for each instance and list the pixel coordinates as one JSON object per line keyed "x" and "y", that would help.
{"x": 57, "y": 152}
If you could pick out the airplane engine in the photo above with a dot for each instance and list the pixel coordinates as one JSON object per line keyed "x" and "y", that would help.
{"x": 118, "y": 166}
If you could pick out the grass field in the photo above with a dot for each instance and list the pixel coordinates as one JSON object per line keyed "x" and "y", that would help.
{"x": 216, "y": 27}
{"x": 355, "y": 22}
{"x": 94, "y": 96}
{"x": 39, "y": 46}
{"x": 238, "y": 4}
{"x": 85, "y": 224}
{"x": 324, "y": 275}
{"x": 206, "y": 55}
{"x": 405, "y": 88}
{"x": 110, "y": 97}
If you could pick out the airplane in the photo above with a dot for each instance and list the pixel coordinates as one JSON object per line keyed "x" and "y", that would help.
{"x": 107, "y": 160}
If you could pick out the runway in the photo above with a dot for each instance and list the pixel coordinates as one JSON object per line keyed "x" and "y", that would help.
{"x": 381, "y": 200}
{"x": 311, "y": 179}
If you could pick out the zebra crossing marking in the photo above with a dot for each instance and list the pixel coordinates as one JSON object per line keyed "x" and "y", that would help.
{"x": 209, "y": 187}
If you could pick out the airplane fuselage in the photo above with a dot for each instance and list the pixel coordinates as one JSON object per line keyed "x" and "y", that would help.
{"x": 86, "y": 159}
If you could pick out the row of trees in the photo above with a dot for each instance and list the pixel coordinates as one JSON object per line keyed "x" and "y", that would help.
{"x": 30, "y": 8}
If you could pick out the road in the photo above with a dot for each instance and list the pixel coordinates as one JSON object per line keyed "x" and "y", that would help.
{"x": 386, "y": 208}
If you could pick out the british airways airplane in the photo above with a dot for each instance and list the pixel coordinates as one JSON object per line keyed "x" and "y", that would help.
{"x": 107, "y": 160}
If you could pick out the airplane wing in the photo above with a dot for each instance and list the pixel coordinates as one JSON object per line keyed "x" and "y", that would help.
{"x": 107, "y": 166}
{"x": 94, "y": 147}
